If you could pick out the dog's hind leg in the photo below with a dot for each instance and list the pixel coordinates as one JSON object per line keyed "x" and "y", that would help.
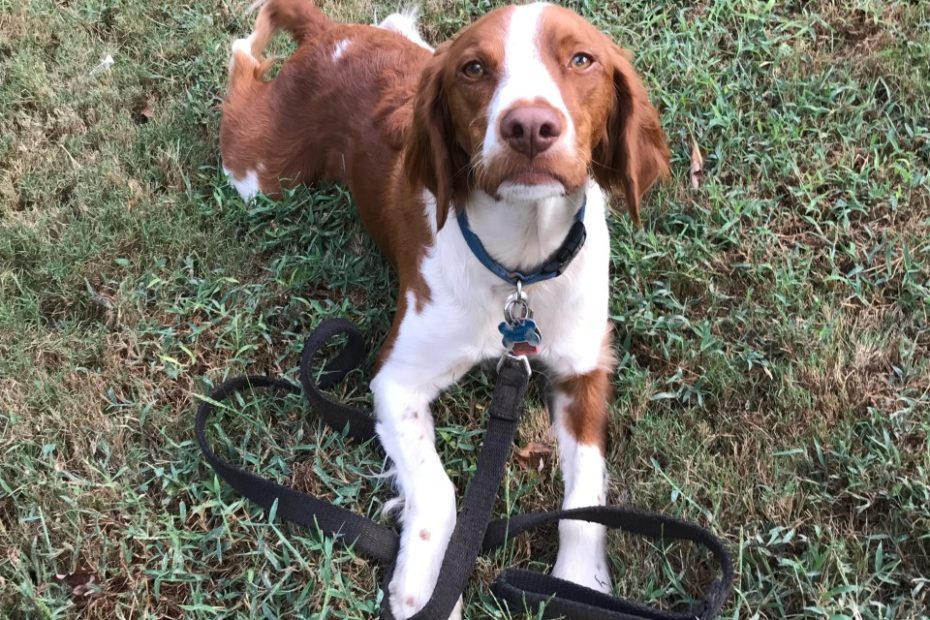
{"x": 251, "y": 155}
{"x": 247, "y": 67}
{"x": 245, "y": 83}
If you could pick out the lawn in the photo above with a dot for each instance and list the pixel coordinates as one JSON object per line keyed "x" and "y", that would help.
{"x": 771, "y": 324}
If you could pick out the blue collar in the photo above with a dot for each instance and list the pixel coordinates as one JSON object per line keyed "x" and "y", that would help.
{"x": 550, "y": 268}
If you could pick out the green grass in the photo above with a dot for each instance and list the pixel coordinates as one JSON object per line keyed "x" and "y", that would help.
{"x": 772, "y": 326}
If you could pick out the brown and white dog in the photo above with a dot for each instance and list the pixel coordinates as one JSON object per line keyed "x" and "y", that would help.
{"x": 518, "y": 120}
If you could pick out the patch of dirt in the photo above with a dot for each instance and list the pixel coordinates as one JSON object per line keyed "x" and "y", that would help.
{"x": 855, "y": 37}
{"x": 858, "y": 374}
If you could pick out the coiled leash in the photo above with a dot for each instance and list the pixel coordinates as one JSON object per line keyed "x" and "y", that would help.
{"x": 474, "y": 530}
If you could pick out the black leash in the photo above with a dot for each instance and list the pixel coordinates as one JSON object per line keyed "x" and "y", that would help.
{"x": 474, "y": 531}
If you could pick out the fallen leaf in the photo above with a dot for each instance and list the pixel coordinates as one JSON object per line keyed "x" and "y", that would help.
{"x": 697, "y": 166}
{"x": 80, "y": 581}
{"x": 534, "y": 455}
{"x": 142, "y": 111}
{"x": 146, "y": 110}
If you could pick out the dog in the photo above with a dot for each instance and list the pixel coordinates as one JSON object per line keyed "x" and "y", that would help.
{"x": 526, "y": 121}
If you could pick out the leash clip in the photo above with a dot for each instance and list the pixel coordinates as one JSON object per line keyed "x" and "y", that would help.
{"x": 510, "y": 357}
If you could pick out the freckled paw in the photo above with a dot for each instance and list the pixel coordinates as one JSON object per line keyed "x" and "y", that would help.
{"x": 408, "y": 594}
{"x": 405, "y": 604}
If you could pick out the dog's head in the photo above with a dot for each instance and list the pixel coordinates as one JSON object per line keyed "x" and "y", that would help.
{"x": 525, "y": 104}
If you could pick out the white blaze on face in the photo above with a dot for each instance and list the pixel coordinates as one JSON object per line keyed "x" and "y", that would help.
{"x": 524, "y": 77}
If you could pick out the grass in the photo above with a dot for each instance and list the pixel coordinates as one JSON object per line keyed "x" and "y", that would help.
{"x": 772, "y": 325}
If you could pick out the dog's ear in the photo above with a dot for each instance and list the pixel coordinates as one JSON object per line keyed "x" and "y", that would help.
{"x": 432, "y": 155}
{"x": 632, "y": 153}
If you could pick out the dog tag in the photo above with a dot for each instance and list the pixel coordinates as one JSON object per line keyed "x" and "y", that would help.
{"x": 521, "y": 337}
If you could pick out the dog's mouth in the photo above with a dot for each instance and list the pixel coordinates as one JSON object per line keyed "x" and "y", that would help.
{"x": 546, "y": 176}
{"x": 530, "y": 186}
{"x": 533, "y": 185}
{"x": 533, "y": 178}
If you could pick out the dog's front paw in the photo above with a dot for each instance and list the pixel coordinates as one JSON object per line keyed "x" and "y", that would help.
{"x": 590, "y": 573}
{"x": 428, "y": 521}
{"x": 582, "y": 557}
{"x": 415, "y": 578}
{"x": 401, "y": 608}
{"x": 406, "y": 599}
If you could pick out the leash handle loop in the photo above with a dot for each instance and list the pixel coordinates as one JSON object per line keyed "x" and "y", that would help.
{"x": 368, "y": 537}
{"x": 361, "y": 426}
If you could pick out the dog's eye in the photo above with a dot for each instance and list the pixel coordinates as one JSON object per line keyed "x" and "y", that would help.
{"x": 581, "y": 61}
{"x": 473, "y": 69}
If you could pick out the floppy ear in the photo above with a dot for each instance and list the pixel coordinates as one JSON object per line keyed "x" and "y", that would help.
{"x": 632, "y": 154}
{"x": 432, "y": 155}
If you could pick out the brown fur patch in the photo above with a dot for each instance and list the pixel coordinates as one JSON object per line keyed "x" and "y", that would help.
{"x": 586, "y": 415}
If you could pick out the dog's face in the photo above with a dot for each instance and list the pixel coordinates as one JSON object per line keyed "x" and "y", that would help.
{"x": 526, "y": 103}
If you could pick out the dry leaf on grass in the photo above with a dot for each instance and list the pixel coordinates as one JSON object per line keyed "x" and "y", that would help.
{"x": 142, "y": 111}
{"x": 146, "y": 110}
{"x": 534, "y": 455}
{"x": 80, "y": 581}
{"x": 697, "y": 166}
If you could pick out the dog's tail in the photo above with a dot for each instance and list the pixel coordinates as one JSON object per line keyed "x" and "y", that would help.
{"x": 300, "y": 18}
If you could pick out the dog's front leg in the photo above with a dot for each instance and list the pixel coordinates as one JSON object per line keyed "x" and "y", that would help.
{"x": 410, "y": 377}
{"x": 579, "y": 415}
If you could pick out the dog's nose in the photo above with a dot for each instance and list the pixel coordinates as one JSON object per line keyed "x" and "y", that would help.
{"x": 531, "y": 130}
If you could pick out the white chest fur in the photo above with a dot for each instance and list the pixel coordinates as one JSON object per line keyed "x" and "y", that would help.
{"x": 468, "y": 300}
